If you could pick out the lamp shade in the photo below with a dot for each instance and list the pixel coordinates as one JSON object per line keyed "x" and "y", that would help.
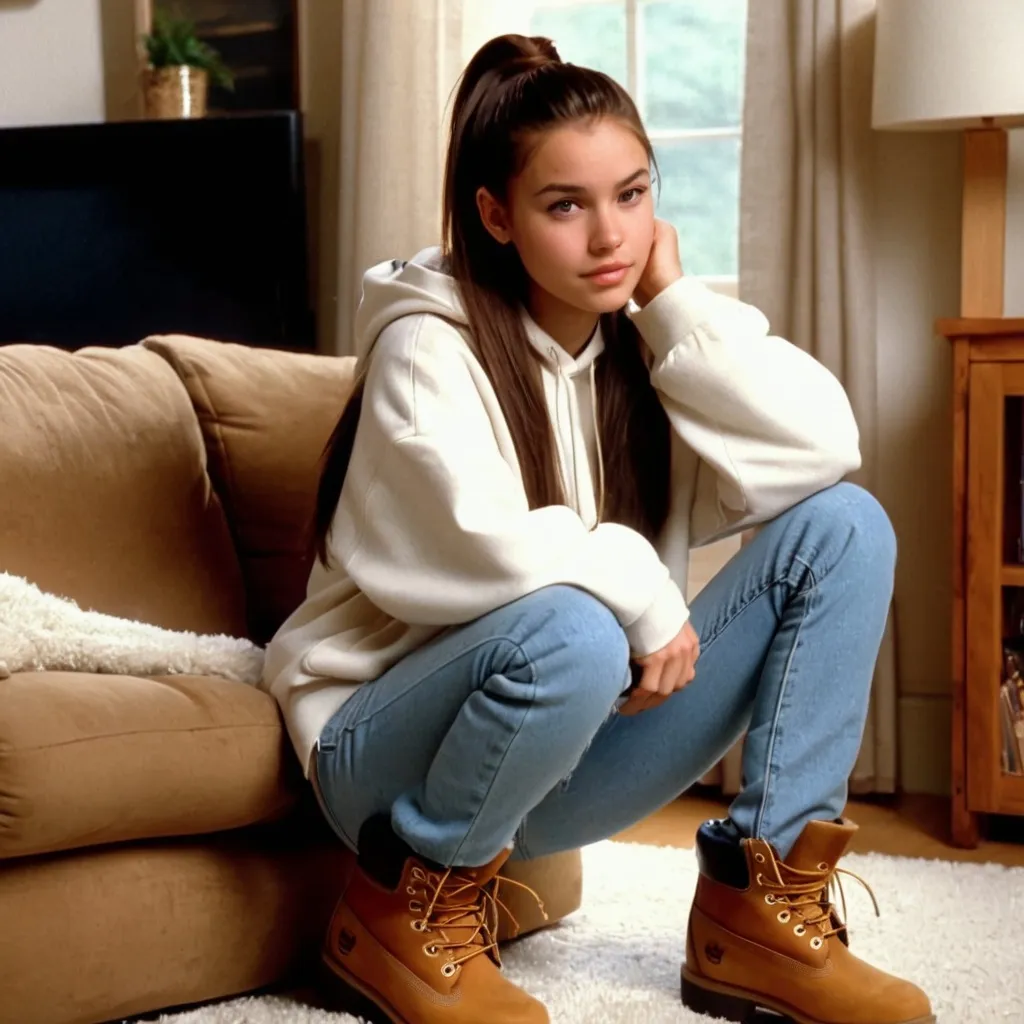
{"x": 946, "y": 64}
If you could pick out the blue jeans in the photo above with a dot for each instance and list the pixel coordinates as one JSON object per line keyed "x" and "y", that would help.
{"x": 504, "y": 731}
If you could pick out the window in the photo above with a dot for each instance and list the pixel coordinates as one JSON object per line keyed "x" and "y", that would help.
{"x": 682, "y": 62}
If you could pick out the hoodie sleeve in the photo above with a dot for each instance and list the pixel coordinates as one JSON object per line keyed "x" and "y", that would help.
{"x": 769, "y": 423}
{"x": 433, "y": 523}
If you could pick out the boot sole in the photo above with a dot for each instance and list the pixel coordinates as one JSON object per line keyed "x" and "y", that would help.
{"x": 742, "y": 1007}
{"x": 350, "y": 995}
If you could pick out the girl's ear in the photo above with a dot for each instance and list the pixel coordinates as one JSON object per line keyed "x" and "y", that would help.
{"x": 494, "y": 216}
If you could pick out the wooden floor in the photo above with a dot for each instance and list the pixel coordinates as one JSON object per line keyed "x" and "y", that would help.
{"x": 907, "y": 826}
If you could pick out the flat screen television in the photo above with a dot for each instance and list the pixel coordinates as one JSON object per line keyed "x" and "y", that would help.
{"x": 111, "y": 232}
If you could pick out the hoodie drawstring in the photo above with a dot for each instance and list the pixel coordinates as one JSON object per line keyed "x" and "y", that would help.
{"x": 575, "y": 468}
{"x": 559, "y": 378}
{"x": 572, "y": 431}
{"x": 597, "y": 442}
{"x": 558, "y": 392}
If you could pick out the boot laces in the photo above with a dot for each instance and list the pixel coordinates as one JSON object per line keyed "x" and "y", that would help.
{"x": 456, "y": 901}
{"x": 809, "y": 894}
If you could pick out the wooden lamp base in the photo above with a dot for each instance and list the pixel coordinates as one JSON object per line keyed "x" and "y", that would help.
{"x": 983, "y": 231}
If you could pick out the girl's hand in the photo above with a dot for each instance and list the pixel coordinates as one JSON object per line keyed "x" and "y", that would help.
{"x": 664, "y": 672}
{"x": 663, "y": 264}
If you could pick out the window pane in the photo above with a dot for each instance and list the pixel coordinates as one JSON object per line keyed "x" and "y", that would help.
{"x": 693, "y": 62}
{"x": 592, "y": 35}
{"x": 700, "y": 188}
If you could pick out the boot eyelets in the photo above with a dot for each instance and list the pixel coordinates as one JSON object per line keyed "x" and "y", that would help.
{"x": 799, "y": 930}
{"x": 759, "y": 857}
{"x": 784, "y": 916}
{"x": 448, "y": 970}
{"x": 823, "y": 866}
{"x": 758, "y": 878}
{"x": 769, "y": 899}
{"x": 430, "y": 950}
{"x": 418, "y": 925}
{"x": 411, "y": 890}
{"x": 816, "y": 942}
{"x": 418, "y": 874}
{"x": 415, "y": 906}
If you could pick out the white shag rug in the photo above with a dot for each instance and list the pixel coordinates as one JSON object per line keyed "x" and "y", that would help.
{"x": 954, "y": 929}
{"x": 41, "y": 632}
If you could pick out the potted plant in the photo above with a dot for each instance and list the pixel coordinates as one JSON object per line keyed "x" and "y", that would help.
{"x": 180, "y": 68}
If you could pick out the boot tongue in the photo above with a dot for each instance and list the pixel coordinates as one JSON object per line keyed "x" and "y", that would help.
{"x": 483, "y": 874}
{"x": 459, "y": 894}
{"x": 821, "y": 842}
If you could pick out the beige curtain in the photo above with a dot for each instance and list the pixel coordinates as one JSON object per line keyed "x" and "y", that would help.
{"x": 378, "y": 81}
{"x": 399, "y": 62}
{"x": 806, "y": 245}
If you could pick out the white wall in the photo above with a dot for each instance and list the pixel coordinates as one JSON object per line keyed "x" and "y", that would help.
{"x": 51, "y": 62}
{"x": 918, "y": 182}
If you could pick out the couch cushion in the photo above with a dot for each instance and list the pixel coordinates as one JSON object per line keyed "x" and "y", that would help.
{"x": 126, "y": 930}
{"x": 266, "y": 416}
{"x": 88, "y": 759}
{"x": 104, "y": 496}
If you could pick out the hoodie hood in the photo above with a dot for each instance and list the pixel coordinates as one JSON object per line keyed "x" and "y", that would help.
{"x": 399, "y": 288}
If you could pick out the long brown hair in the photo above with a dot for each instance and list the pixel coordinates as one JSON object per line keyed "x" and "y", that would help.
{"x": 514, "y": 87}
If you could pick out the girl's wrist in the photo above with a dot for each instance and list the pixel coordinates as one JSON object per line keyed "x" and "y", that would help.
{"x": 652, "y": 289}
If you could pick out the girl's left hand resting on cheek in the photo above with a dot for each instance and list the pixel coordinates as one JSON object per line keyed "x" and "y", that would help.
{"x": 663, "y": 264}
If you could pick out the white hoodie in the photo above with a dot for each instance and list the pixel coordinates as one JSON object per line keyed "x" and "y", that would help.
{"x": 433, "y": 528}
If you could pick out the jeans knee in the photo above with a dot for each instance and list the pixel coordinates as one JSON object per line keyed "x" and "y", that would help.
{"x": 590, "y": 631}
{"x": 864, "y": 524}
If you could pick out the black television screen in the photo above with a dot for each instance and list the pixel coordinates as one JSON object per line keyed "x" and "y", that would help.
{"x": 110, "y": 232}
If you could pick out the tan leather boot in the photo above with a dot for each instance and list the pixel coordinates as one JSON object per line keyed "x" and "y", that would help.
{"x": 412, "y": 943}
{"x": 763, "y": 934}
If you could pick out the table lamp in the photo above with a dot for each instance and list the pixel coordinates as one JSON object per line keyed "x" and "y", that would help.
{"x": 959, "y": 65}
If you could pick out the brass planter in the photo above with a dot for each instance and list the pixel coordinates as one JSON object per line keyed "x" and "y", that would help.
{"x": 175, "y": 92}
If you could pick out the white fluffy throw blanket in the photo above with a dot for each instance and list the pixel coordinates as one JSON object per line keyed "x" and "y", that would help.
{"x": 41, "y": 632}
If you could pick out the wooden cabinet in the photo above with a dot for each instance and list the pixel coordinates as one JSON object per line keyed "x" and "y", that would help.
{"x": 988, "y": 560}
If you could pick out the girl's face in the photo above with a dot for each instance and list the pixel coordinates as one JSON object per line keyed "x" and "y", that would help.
{"x": 581, "y": 217}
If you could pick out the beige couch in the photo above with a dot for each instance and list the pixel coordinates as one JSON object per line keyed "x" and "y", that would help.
{"x": 158, "y": 845}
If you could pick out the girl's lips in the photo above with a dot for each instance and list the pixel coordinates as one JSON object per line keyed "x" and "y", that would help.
{"x": 609, "y": 277}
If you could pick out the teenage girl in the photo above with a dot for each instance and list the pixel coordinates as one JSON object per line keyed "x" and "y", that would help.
{"x": 495, "y": 657}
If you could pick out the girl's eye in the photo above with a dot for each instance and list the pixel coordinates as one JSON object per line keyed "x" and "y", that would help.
{"x": 562, "y": 206}
{"x": 631, "y": 195}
